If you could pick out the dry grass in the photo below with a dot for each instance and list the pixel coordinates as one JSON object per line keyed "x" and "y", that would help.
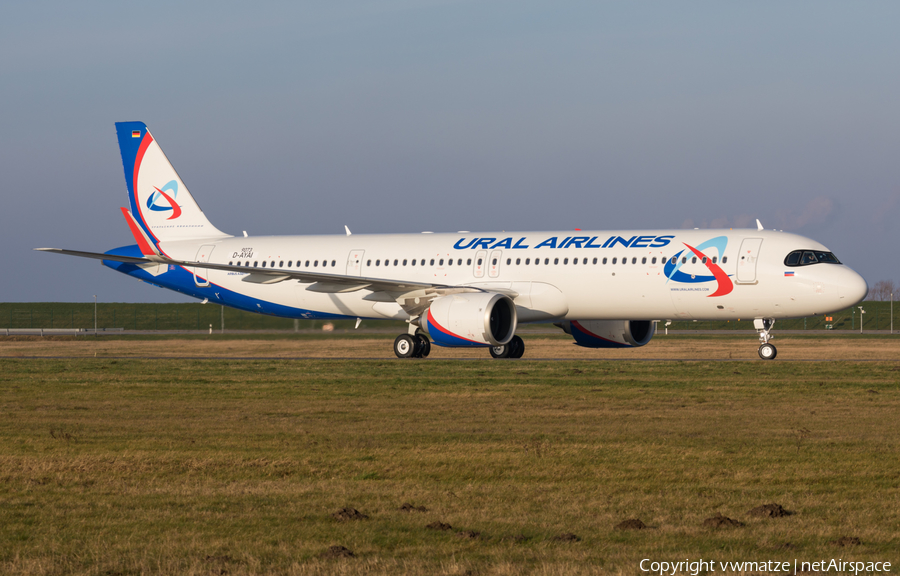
{"x": 199, "y": 467}
{"x": 711, "y": 347}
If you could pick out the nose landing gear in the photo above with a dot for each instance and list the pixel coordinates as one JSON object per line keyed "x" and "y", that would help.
{"x": 764, "y": 326}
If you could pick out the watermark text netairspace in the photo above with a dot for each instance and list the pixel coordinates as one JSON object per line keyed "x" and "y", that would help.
{"x": 695, "y": 567}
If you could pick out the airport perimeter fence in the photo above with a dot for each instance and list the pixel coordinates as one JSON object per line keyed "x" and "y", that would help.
{"x": 196, "y": 316}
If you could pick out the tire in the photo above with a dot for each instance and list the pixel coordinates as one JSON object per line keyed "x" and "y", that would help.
{"x": 768, "y": 352}
{"x": 499, "y": 351}
{"x": 404, "y": 346}
{"x": 516, "y": 347}
{"x": 423, "y": 346}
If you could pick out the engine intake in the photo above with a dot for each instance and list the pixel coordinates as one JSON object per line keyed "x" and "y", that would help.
{"x": 610, "y": 333}
{"x": 471, "y": 319}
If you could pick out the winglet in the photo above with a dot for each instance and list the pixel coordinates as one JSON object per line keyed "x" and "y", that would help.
{"x": 759, "y": 225}
{"x": 347, "y": 229}
{"x": 143, "y": 241}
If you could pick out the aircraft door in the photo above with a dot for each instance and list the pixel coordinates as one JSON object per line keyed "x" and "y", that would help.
{"x": 478, "y": 269}
{"x": 747, "y": 259}
{"x": 354, "y": 262}
{"x": 494, "y": 264}
{"x": 203, "y": 255}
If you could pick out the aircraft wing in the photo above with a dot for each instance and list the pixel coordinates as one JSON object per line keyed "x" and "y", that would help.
{"x": 320, "y": 281}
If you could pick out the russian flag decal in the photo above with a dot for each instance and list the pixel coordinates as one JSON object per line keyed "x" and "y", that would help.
{"x": 791, "y": 274}
{"x": 135, "y": 133}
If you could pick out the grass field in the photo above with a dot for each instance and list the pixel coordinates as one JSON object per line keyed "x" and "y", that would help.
{"x": 237, "y": 466}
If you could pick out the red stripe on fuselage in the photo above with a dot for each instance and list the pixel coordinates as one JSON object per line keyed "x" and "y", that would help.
{"x": 725, "y": 284}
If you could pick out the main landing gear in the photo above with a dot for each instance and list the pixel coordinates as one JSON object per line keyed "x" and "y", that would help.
{"x": 412, "y": 346}
{"x": 764, "y": 326}
{"x": 514, "y": 349}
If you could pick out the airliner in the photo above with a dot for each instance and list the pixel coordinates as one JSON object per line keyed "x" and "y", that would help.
{"x": 607, "y": 289}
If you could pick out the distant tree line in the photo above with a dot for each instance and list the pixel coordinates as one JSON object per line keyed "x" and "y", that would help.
{"x": 881, "y": 290}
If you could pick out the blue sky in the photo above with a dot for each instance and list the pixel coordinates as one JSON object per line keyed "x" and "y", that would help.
{"x": 291, "y": 118}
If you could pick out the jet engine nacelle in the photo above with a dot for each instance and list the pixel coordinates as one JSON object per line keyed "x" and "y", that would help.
{"x": 610, "y": 333}
{"x": 471, "y": 319}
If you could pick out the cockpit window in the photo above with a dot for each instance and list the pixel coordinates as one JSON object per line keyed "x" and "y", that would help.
{"x": 807, "y": 257}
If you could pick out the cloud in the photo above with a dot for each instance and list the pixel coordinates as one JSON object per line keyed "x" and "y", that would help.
{"x": 820, "y": 210}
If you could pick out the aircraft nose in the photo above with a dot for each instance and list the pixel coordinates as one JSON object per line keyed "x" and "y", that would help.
{"x": 852, "y": 288}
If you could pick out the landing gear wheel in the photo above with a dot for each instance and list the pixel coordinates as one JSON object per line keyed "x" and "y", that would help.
{"x": 404, "y": 346}
{"x": 423, "y": 346}
{"x": 767, "y": 352}
{"x": 500, "y": 351}
{"x": 516, "y": 347}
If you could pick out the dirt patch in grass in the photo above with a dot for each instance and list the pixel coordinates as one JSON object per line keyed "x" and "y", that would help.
{"x": 631, "y": 524}
{"x": 345, "y": 514}
{"x": 566, "y": 537}
{"x": 337, "y": 551}
{"x": 469, "y": 534}
{"x": 770, "y": 511}
{"x": 517, "y": 538}
{"x": 846, "y": 541}
{"x": 720, "y": 521}
{"x": 441, "y": 526}
{"x": 407, "y": 507}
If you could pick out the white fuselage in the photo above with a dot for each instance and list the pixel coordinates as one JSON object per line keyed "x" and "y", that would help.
{"x": 571, "y": 275}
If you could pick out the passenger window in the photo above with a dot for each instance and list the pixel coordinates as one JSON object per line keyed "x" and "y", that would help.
{"x": 644, "y": 260}
{"x": 724, "y": 259}
{"x": 684, "y": 260}
{"x": 537, "y": 261}
{"x": 316, "y": 263}
{"x": 508, "y": 261}
{"x": 479, "y": 261}
{"x": 469, "y": 262}
{"x": 378, "y": 262}
{"x": 255, "y": 263}
{"x": 422, "y": 263}
{"x": 518, "y": 261}
{"x": 634, "y": 260}
{"x": 703, "y": 259}
{"x": 585, "y": 261}
{"x": 604, "y": 261}
{"x": 432, "y": 261}
{"x": 450, "y": 262}
{"x": 404, "y": 262}
{"x": 595, "y": 261}
{"x": 395, "y": 262}
{"x": 556, "y": 260}
{"x": 653, "y": 261}
{"x": 412, "y": 262}
{"x": 527, "y": 261}
{"x": 289, "y": 263}
{"x": 714, "y": 259}
{"x": 614, "y": 260}
{"x": 459, "y": 262}
{"x": 694, "y": 260}
{"x": 272, "y": 264}
{"x": 368, "y": 263}
{"x": 546, "y": 261}
{"x": 264, "y": 264}
{"x": 229, "y": 262}
{"x": 441, "y": 263}
{"x": 565, "y": 260}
